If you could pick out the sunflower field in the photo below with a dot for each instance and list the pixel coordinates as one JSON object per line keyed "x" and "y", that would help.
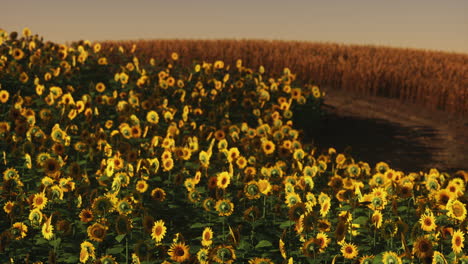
{"x": 149, "y": 161}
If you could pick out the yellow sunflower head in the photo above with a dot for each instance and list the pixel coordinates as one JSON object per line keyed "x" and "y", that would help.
{"x": 349, "y": 250}
{"x": 158, "y": 231}
{"x": 179, "y": 252}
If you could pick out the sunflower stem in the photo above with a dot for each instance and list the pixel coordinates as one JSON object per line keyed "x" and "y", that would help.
{"x": 126, "y": 249}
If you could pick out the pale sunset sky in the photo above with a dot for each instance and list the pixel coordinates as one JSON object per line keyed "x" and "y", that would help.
{"x": 424, "y": 24}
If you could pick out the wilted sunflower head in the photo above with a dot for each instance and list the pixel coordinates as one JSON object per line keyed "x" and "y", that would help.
{"x": 101, "y": 205}
{"x": 422, "y": 247}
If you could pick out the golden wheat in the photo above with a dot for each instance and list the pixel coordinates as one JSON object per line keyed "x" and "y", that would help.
{"x": 432, "y": 79}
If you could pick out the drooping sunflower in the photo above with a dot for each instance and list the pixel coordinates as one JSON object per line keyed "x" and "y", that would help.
{"x": 438, "y": 258}
{"x": 39, "y": 201}
{"x": 260, "y": 261}
{"x": 376, "y": 219}
{"x": 349, "y": 250}
{"x": 179, "y": 252}
{"x": 428, "y": 222}
{"x": 101, "y": 205}
{"x": 207, "y": 237}
{"x": 97, "y": 232}
{"x": 224, "y": 254}
{"x": 203, "y": 256}
{"x": 456, "y": 209}
{"x": 252, "y": 190}
{"x": 51, "y": 167}
{"x": 224, "y": 207}
{"x": 107, "y": 259}
{"x": 19, "y": 230}
{"x": 87, "y": 251}
{"x": 422, "y": 247}
{"x": 292, "y": 198}
{"x": 390, "y": 257}
{"x": 366, "y": 259}
{"x": 458, "y": 239}
{"x": 48, "y": 229}
{"x": 123, "y": 225}
{"x": 35, "y": 216}
{"x": 158, "y": 231}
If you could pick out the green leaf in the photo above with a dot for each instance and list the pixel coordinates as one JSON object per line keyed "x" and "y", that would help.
{"x": 361, "y": 220}
{"x": 56, "y": 242}
{"x": 115, "y": 251}
{"x": 41, "y": 241}
{"x": 197, "y": 225}
{"x": 263, "y": 243}
{"x": 119, "y": 238}
{"x": 286, "y": 224}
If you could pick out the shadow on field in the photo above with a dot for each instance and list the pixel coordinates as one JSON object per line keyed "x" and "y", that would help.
{"x": 372, "y": 140}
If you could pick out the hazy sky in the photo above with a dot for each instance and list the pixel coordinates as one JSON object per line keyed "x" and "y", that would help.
{"x": 427, "y": 24}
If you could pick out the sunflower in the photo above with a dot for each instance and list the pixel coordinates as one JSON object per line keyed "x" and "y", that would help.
{"x": 438, "y": 258}
{"x": 203, "y": 256}
{"x": 376, "y": 219}
{"x": 322, "y": 241}
{"x": 292, "y": 198}
{"x": 123, "y": 225}
{"x": 101, "y": 205}
{"x": 224, "y": 254}
{"x": 124, "y": 207}
{"x": 390, "y": 257}
{"x": 207, "y": 237}
{"x": 224, "y": 207}
{"x": 97, "y": 232}
{"x": 458, "y": 239}
{"x": 8, "y": 207}
{"x": 35, "y": 216}
{"x": 456, "y": 209}
{"x": 268, "y": 147}
{"x": 51, "y": 167}
{"x": 47, "y": 229}
{"x": 4, "y": 95}
{"x": 87, "y": 251}
{"x": 86, "y": 216}
{"x": 223, "y": 180}
{"x": 252, "y": 190}
{"x": 141, "y": 186}
{"x": 325, "y": 207}
{"x": 18, "y": 54}
{"x": 108, "y": 259}
{"x": 39, "y": 201}
{"x": 158, "y": 231}
{"x": 168, "y": 164}
{"x": 158, "y": 194}
{"x": 265, "y": 186}
{"x": 349, "y": 250}
{"x": 152, "y": 117}
{"x": 19, "y": 230}
{"x": 366, "y": 259}
{"x": 260, "y": 261}
{"x": 422, "y": 247}
{"x": 100, "y": 87}
{"x": 427, "y": 222}
{"x": 179, "y": 252}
